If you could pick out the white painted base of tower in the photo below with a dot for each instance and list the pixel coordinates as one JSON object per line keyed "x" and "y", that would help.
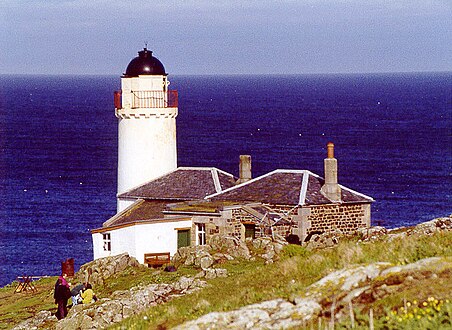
{"x": 146, "y": 150}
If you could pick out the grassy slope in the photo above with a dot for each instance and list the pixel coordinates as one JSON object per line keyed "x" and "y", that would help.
{"x": 15, "y": 307}
{"x": 251, "y": 282}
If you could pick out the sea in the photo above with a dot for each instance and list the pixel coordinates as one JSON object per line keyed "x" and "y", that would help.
{"x": 58, "y": 142}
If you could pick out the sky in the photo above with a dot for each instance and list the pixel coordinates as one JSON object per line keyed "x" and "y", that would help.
{"x": 226, "y": 37}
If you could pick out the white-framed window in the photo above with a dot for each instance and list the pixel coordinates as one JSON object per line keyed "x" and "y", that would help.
{"x": 201, "y": 233}
{"x": 107, "y": 241}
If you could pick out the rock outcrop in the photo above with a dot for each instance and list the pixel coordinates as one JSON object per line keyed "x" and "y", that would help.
{"x": 123, "y": 304}
{"x": 359, "y": 284}
{"x": 333, "y": 237}
{"x": 36, "y": 321}
{"x": 223, "y": 248}
{"x": 97, "y": 271}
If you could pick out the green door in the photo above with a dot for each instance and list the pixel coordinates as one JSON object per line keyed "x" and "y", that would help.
{"x": 183, "y": 238}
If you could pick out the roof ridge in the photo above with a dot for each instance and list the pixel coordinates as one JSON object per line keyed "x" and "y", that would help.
{"x": 216, "y": 180}
{"x": 205, "y": 168}
{"x": 357, "y": 193}
{"x": 240, "y": 185}
{"x": 121, "y": 213}
{"x": 145, "y": 183}
{"x": 304, "y": 188}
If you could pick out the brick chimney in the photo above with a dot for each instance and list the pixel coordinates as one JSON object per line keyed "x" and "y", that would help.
{"x": 244, "y": 169}
{"x": 331, "y": 188}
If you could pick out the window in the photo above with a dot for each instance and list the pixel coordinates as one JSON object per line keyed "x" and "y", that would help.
{"x": 107, "y": 241}
{"x": 201, "y": 229}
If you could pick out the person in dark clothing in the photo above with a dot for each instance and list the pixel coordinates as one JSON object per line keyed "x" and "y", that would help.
{"x": 61, "y": 295}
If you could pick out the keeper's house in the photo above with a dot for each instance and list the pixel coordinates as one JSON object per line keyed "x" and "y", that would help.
{"x": 188, "y": 205}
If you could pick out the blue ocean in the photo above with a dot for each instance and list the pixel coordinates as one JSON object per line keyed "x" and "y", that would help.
{"x": 58, "y": 140}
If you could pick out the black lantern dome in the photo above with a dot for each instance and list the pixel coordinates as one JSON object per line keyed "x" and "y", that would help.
{"x": 145, "y": 63}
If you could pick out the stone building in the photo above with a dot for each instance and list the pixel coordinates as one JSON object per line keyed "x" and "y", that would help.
{"x": 188, "y": 205}
{"x": 162, "y": 207}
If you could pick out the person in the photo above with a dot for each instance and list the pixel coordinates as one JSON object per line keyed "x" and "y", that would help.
{"x": 75, "y": 294}
{"x": 87, "y": 294}
{"x": 61, "y": 296}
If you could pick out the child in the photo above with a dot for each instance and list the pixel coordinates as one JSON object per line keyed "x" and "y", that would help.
{"x": 87, "y": 294}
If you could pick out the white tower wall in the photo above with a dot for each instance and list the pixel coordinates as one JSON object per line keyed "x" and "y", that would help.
{"x": 146, "y": 132}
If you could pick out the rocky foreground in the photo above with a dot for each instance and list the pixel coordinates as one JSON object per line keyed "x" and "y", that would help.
{"x": 357, "y": 283}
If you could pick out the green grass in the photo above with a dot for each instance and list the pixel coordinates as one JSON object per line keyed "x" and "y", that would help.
{"x": 253, "y": 282}
{"x": 16, "y": 307}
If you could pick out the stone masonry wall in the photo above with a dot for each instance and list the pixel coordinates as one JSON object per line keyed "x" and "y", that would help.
{"x": 284, "y": 230}
{"x": 232, "y": 222}
{"x": 347, "y": 218}
{"x": 239, "y": 217}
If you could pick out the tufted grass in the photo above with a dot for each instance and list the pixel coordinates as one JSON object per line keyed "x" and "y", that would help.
{"x": 253, "y": 282}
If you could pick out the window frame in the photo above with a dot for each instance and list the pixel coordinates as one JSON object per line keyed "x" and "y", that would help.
{"x": 200, "y": 234}
{"x": 106, "y": 238}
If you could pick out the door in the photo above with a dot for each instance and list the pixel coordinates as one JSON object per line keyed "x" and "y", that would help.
{"x": 183, "y": 238}
{"x": 250, "y": 231}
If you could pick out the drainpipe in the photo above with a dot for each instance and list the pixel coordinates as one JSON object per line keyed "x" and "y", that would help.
{"x": 331, "y": 189}
{"x": 244, "y": 169}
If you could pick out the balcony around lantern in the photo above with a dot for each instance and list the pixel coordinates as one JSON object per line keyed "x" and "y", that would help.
{"x": 149, "y": 99}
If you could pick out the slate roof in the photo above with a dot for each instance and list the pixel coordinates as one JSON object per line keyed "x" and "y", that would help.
{"x": 141, "y": 210}
{"x": 184, "y": 183}
{"x": 286, "y": 187}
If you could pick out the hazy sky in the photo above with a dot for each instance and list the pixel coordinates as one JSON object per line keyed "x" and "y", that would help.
{"x": 226, "y": 37}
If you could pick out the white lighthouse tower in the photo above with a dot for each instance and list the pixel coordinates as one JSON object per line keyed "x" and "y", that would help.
{"x": 147, "y": 112}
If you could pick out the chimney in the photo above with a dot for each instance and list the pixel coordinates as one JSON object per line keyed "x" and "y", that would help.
{"x": 244, "y": 169}
{"x": 331, "y": 188}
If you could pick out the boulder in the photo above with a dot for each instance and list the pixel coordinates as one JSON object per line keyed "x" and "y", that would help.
{"x": 372, "y": 233}
{"x": 230, "y": 245}
{"x": 324, "y": 240}
{"x": 211, "y": 273}
{"x": 99, "y": 270}
{"x": 36, "y": 322}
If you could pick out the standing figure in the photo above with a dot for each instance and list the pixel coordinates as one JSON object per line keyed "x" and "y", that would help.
{"x": 62, "y": 294}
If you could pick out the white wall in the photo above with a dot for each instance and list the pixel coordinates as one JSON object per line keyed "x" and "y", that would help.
{"x": 140, "y": 239}
{"x": 146, "y": 150}
{"x": 158, "y": 237}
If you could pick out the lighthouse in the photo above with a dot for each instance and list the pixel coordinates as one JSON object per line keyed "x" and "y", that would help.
{"x": 146, "y": 112}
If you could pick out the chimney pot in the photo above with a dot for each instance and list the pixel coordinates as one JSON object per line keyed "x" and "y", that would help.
{"x": 330, "y": 150}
